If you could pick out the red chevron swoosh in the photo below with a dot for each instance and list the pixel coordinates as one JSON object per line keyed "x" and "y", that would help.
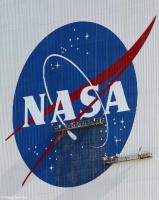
{"x": 114, "y": 71}
{"x": 103, "y": 76}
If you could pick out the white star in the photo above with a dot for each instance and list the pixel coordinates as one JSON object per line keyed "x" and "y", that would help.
{"x": 49, "y": 158}
{"x": 28, "y": 148}
{"x": 77, "y": 38}
{"x": 87, "y": 53}
{"x": 87, "y": 36}
{"x": 101, "y": 131}
{"x": 122, "y": 121}
{"x": 82, "y": 147}
{"x": 57, "y": 65}
{"x": 35, "y": 147}
{"x": 70, "y": 154}
{"x": 37, "y": 154}
{"x": 77, "y": 48}
{"x": 116, "y": 140}
{"x": 51, "y": 167}
{"x": 70, "y": 39}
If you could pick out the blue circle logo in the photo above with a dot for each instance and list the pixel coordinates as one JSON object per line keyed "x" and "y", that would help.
{"x": 75, "y": 106}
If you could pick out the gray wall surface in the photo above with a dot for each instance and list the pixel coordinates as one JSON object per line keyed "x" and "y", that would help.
{"x": 23, "y": 24}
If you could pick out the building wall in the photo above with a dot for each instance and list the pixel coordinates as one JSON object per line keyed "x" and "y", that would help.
{"x": 23, "y": 24}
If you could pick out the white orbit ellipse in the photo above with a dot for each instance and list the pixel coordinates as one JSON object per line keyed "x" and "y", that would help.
{"x": 72, "y": 135}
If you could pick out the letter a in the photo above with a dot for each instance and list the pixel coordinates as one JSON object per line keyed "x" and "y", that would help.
{"x": 63, "y": 98}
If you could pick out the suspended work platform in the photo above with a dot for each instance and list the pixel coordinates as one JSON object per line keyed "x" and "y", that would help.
{"x": 116, "y": 158}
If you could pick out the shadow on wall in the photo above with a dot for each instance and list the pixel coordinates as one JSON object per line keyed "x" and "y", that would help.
{"x": 10, "y": 184}
{"x": 99, "y": 188}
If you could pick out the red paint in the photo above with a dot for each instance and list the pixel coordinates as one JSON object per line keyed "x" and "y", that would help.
{"x": 103, "y": 76}
{"x": 114, "y": 71}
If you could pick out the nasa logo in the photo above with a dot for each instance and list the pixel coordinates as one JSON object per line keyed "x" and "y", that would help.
{"x": 75, "y": 102}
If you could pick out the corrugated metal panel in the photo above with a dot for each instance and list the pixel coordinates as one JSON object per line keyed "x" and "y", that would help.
{"x": 23, "y": 24}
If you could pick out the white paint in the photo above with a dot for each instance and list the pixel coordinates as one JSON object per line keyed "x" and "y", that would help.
{"x": 120, "y": 100}
{"x": 63, "y": 97}
{"x": 83, "y": 74}
{"x": 31, "y": 106}
{"x": 22, "y": 25}
{"x": 86, "y": 99}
